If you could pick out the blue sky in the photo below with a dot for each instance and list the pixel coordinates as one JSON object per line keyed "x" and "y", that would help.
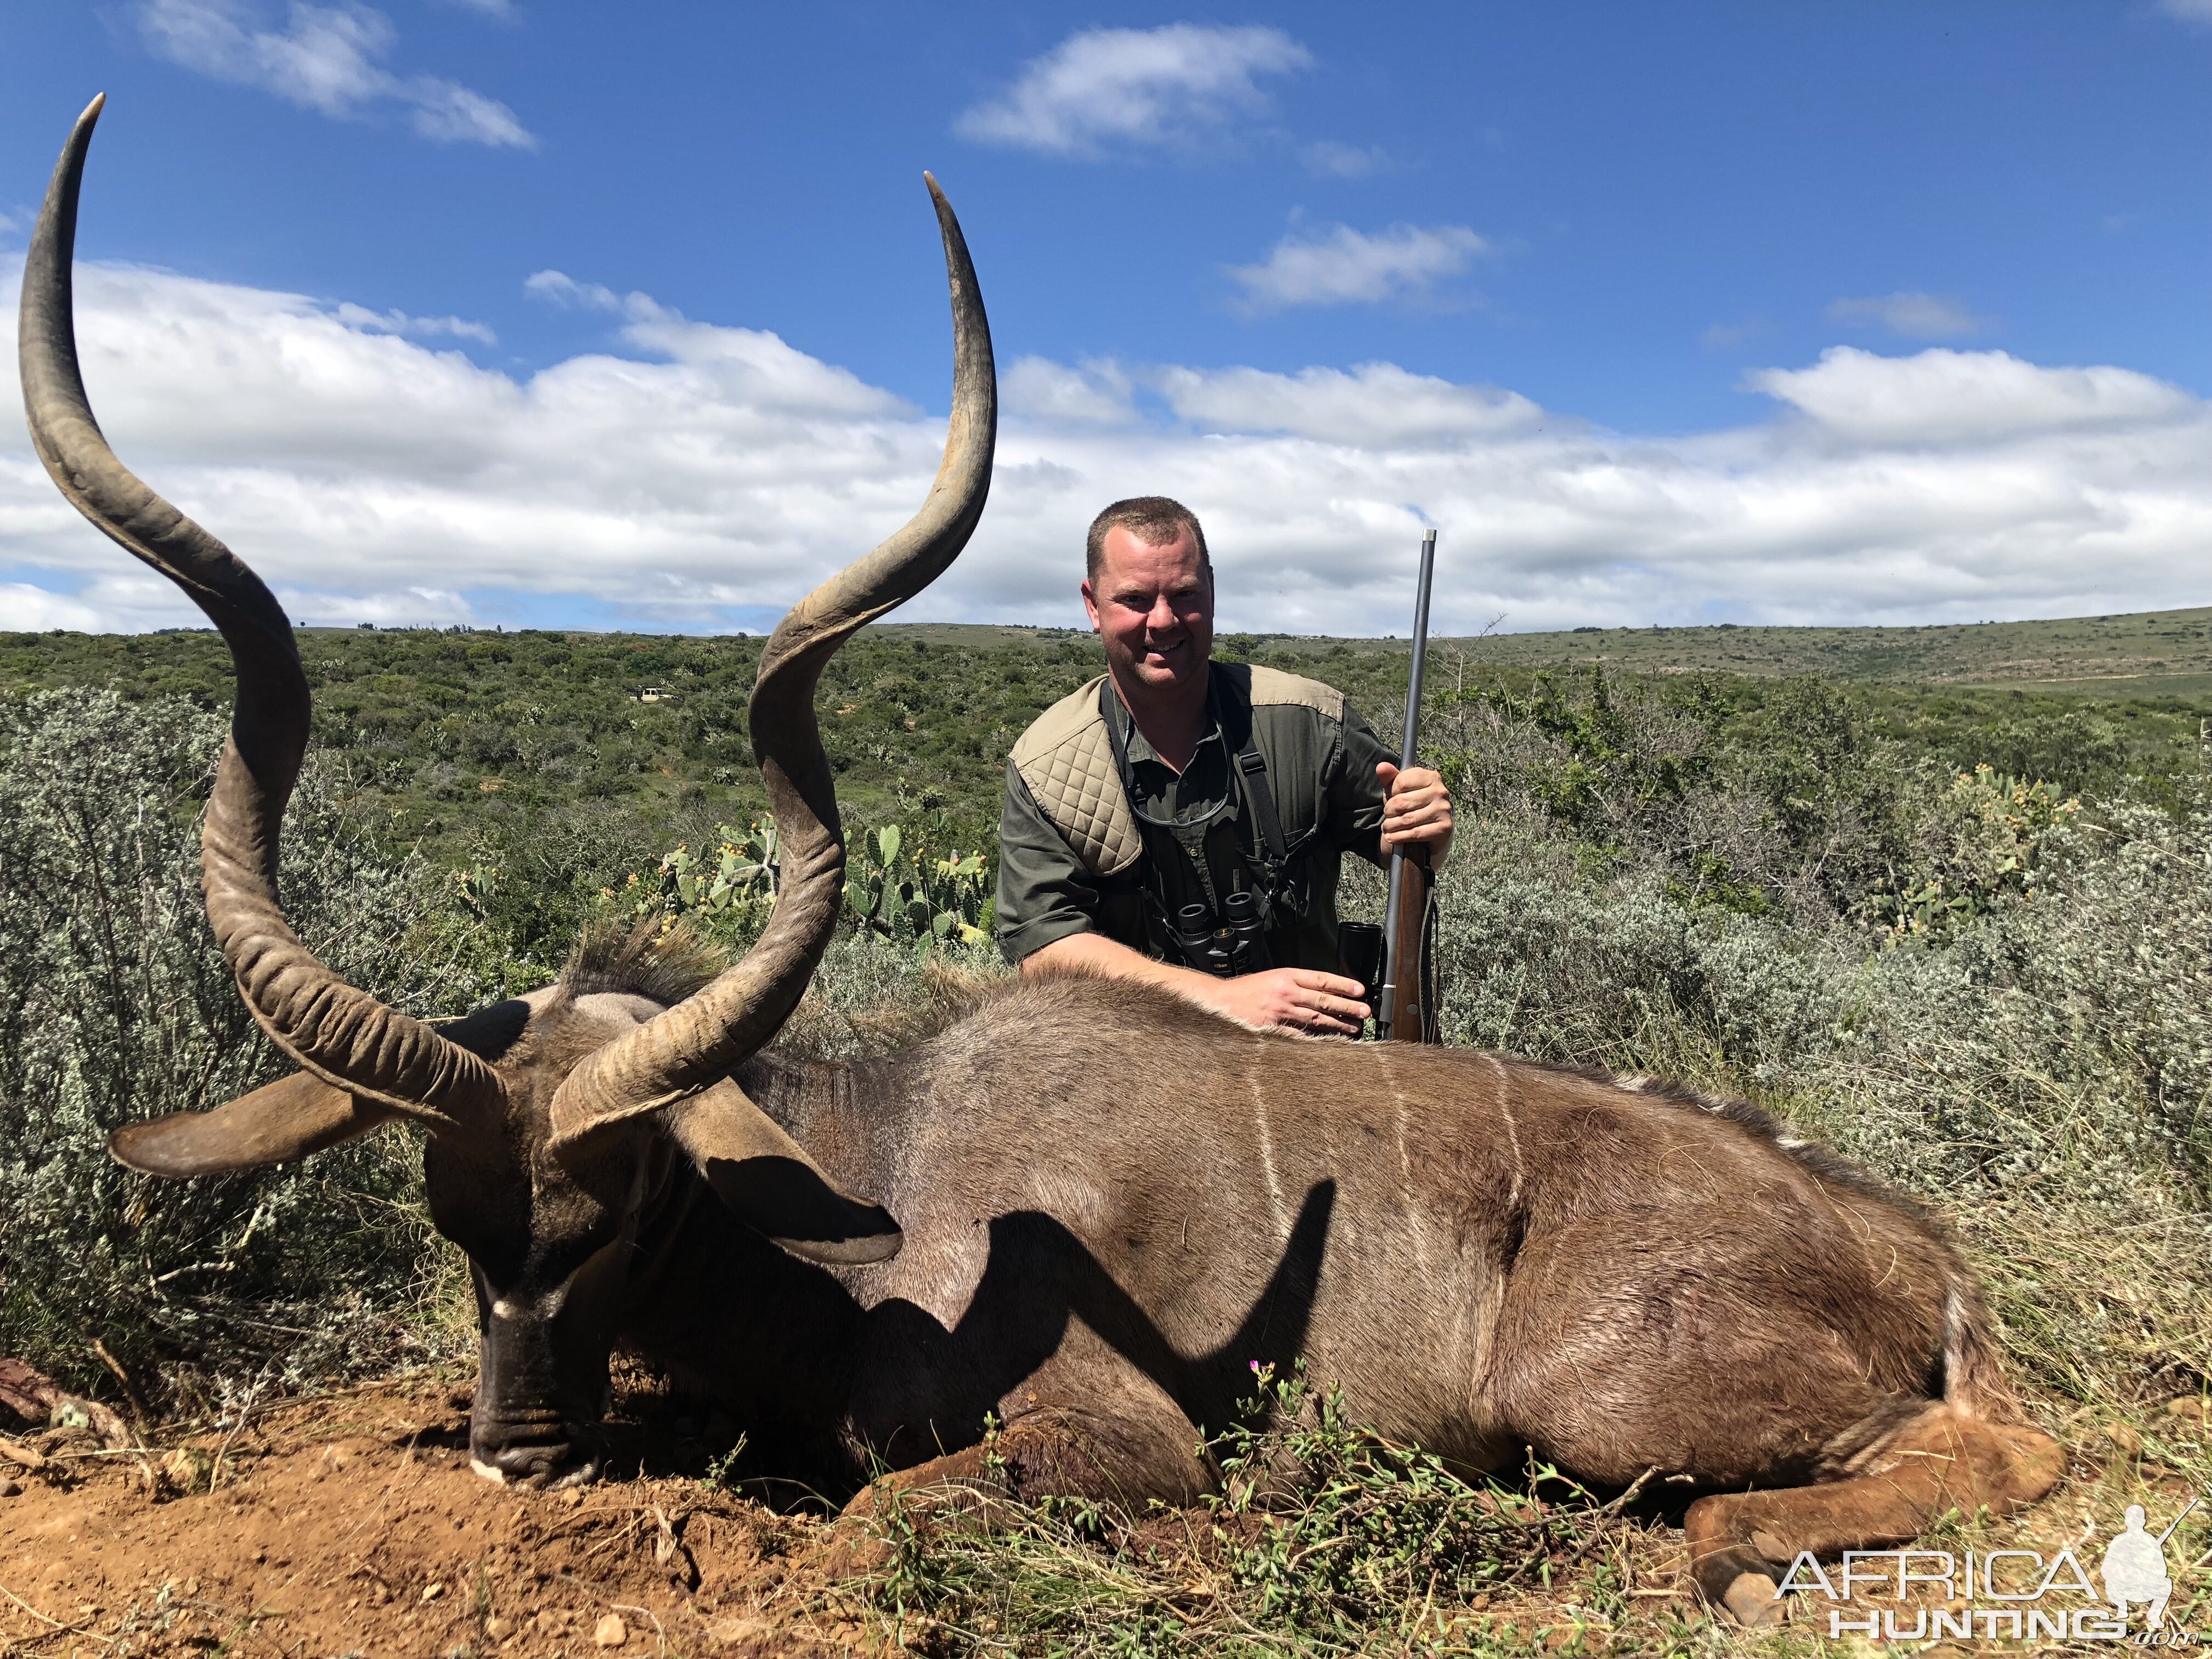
{"x": 1864, "y": 312}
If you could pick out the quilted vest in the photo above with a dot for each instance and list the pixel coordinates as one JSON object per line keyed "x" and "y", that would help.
{"x": 1066, "y": 759}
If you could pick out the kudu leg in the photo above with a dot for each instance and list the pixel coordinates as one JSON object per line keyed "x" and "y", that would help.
{"x": 1122, "y": 1444}
{"x": 1739, "y": 1541}
{"x": 1072, "y": 1451}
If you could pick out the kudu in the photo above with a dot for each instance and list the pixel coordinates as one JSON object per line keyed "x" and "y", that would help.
{"x": 1108, "y": 1203}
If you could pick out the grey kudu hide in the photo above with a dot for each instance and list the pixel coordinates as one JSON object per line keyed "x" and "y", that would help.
{"x": 1108, "y": 1203}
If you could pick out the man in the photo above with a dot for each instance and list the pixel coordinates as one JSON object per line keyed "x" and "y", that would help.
{"x": 2135, "y": 1570}
{"x": 1177, "y": 790}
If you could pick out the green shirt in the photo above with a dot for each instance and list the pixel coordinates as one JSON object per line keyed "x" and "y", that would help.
{"x": 1321, "y": 772}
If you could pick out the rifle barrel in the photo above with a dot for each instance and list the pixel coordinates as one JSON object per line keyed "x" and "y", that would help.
{"x": 2179, "y": 1518}
{"x": 1393, "y": 965}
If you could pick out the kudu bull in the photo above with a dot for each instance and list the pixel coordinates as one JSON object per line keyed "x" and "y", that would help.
{"x": 1108, "y": 1203}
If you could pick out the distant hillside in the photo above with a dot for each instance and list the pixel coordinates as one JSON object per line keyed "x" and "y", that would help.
{"x": 2075, "y": 651}
{"x": 2145, "y": 655}
{"x": 2147, "y": 652}
{"x": 591, "y": 750}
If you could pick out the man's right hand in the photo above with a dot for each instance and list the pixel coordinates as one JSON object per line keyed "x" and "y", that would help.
{"x": 1297, "y": 998}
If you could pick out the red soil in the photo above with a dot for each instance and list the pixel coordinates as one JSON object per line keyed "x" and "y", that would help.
{"x": 354, "y": 1525}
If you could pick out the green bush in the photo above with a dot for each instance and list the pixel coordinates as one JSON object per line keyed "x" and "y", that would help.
{"x": 1799, "y": 796}
{"x": 1330, "y": 1530}
{"x": 2064, "y": 1036}
{"x": 115, "y": 1006}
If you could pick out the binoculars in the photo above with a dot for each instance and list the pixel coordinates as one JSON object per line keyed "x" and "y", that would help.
{"x": 1236, "y": 943}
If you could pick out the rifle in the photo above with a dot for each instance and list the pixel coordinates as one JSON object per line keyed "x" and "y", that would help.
{"x": 1405, "y": 1009}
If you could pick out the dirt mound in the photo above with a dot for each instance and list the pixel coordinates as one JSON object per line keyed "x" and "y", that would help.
{"x": 354, "y": 1525}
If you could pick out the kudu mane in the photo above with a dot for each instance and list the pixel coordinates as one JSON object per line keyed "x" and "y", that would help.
{"x": 648, "y": 959}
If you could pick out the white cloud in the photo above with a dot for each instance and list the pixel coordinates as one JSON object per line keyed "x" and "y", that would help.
{"x": 120, "y": 596}
{"x": 28, "y": 609}
{"x": 1375, "y": 404}
{"x": 1095, "y": 394}
{"x": 451, "y": 113}
{"x": 558, "y": 288}
{"x": 1344, "y": 266}
{"x": 406, "y": 607}
{"x": 2189, "y": 11}
{"x": 327, "y": 58}
{"x": 1165, "y": 88}
{"x": 1909, "y": 316}
{"x": 1939, "y": 396}
{"x": 398, "y": 322}
{"x": 1330, "y": 159}
{"x": 371, "y": 476}
{"x": 503, "y": 11}
{"x": 749, "y": 364}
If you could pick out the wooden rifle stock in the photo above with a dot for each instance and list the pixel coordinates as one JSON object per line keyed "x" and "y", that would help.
{"x": 1404, "y": 1015}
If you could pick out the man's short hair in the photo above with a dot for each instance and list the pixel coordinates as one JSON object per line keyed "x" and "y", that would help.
{"x": 1153, "y": 519}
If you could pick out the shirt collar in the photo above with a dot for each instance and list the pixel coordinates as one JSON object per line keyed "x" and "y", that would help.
{"x": 1140, "y": 747}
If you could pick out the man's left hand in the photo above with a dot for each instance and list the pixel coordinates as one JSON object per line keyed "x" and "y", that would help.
{"x": 1416, "y": 808}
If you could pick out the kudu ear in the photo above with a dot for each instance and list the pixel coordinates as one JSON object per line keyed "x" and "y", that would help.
{"x": 289, "y": 1119}
{"x": 767, "y": 1178}
{"x": 273, "y": 1125}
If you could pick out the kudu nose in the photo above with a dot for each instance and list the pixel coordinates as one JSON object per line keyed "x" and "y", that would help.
{"x": 524, "y": 1424}
{"x": 541, "y": 1452}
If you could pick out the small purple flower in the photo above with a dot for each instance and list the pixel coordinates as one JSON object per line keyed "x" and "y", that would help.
{"x": 1255, "y": 1368}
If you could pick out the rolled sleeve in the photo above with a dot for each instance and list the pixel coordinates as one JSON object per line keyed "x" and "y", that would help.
{"x": 1044, "y": 892}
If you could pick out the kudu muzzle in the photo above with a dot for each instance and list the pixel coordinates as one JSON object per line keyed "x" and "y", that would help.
{"x": 530, "y": 1422}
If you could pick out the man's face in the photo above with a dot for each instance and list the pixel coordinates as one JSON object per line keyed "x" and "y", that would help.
{"x": 1154, "y": 608}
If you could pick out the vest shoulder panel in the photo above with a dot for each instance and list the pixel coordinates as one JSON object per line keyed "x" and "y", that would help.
{"x": 1066, "y": 759}
{"x": 1272, "y": 687}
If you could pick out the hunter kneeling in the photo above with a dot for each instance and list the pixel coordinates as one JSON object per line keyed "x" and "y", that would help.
{"x": 1181, "y": 822}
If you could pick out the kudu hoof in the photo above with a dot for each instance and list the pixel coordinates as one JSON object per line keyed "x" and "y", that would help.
{"x": 855, "y": 1552}
{"x": 908, "y": 1506}
{"x": 860, "y": 1541}
{"x": 1753, "y": 1600}
{"x": 542, "y": 1479}
{"x": 1739, "y": 1580}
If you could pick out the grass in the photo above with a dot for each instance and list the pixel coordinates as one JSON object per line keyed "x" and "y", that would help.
{"x": 1372, "y": 1548}
{"x": 1324, "y": 1538}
